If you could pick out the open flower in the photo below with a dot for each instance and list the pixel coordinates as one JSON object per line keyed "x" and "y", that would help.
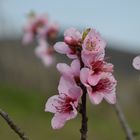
{"x": 44, "y": 52}
{"x": 97, "y": 65}
{"x": 72, "y": 38}
{"x": 64, "y": 105}
{"x": 136, "y": 62}
{"x": 104, "y": 87}
{"x": 93, "y": 43}
{"x": 70, "y": 71}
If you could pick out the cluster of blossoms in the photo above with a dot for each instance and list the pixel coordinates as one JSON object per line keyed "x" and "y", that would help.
{"x": 88, "y": 70}
{"x": 40, "y": 28}
{"x": 136, "y": 62}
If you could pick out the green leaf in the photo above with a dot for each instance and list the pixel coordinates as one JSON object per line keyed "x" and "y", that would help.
{"x": 85, "y": 33}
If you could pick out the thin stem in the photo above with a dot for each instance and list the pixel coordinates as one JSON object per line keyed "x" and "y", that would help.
{"x": 13, "y": 126}
{"x": 83, "y": 129}
{"x": 83, "y": 109}
{"x": 127, "y": 130}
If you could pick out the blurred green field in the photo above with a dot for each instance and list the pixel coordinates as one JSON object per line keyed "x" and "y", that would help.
{"x": 27, "y": 109}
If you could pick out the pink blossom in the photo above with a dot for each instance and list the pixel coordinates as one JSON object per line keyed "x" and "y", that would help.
{"x": 97, "y": 65}
{"x": 104, "y": 86}
{"x": 33, "y": 26}
{"x": 72, "y": 39}
{"x": 136, "y": 62}
{"x": 44, "y": 52}
{"x": 70, "y": 71}
{"x": 93, "y": 43}
{"x": 64, "y": 105}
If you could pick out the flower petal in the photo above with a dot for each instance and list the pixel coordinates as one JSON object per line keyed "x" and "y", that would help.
{"x": 62, "y": 48}
{"x": 40, "y": 51}
{"x": 73, "y": 33}
{"x": 71, "y": 56}
{"x": 95, "y": 98}
{"x": 51, "y": 104}
{"x": 75, "y": 66}
{"x": 64, "y": 69}
{"x": 84, "y": 73}
{"x": 27, "y": 38}
{"x": 94, "y": 56}
{"x": 93, "y": 79}
{"x": 59, "y": 120}
{"x": 110, "y": 98}
{"x": 47, "y": 60}
{"x": 65, "y": 84}
{"x": 75, "y": 92}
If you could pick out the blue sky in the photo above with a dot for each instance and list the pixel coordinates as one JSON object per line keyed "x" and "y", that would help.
{"x": 117, "y": 20}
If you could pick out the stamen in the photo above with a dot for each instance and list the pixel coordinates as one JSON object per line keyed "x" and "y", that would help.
{"x": 90, "y": 45}
{"x": 64, "y": 102}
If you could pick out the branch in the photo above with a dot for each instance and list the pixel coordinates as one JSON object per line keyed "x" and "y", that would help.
{"x": 13, "y": 126}
{"x": 83, "y": 112}
{"x": 127, "y": 130}
{"x": 83, "y": 109}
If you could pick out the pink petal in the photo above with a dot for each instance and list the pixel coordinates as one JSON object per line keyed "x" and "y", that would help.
{"x": 73, "y": 113}
{"x": 64, "y": 69}
{"x": 51, "y": 104}
{"x": 75, "y": 92}
{"x": 42, "y": 42}
{"x": 75, "y": 66}
{"x": 40, "y": 51}
{"x": 93, "y": 79}
{"x": 71, "y": 56}
{"x": 73, "y": 33}
{"x": 136, "y": 62}
{"x": 47, "y": 60}
{"x": 102, "y": 43}
{"x": 27, "y": 38}
{"x": 108, "y": 67}
{"x": 65, "y": 84}
{"x": 62, "y": 48}
{"x": 94, "y": 34}
{"x": 59, "y": 120}
{"x": 110, "y": 98}
{"x": 84, "y": 73}
{"x": 95, "y": 98}
{"x": 94, "y": 56}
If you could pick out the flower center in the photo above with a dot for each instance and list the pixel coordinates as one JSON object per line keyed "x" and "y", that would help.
{"x": 90, "y": 46}
{"x": 97, "y": 66}
{"x": 65, "y": 104}
{"x": 103, "y": 85}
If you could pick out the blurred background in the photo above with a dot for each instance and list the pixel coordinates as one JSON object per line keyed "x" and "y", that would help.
{"x": 25, "y": 84}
